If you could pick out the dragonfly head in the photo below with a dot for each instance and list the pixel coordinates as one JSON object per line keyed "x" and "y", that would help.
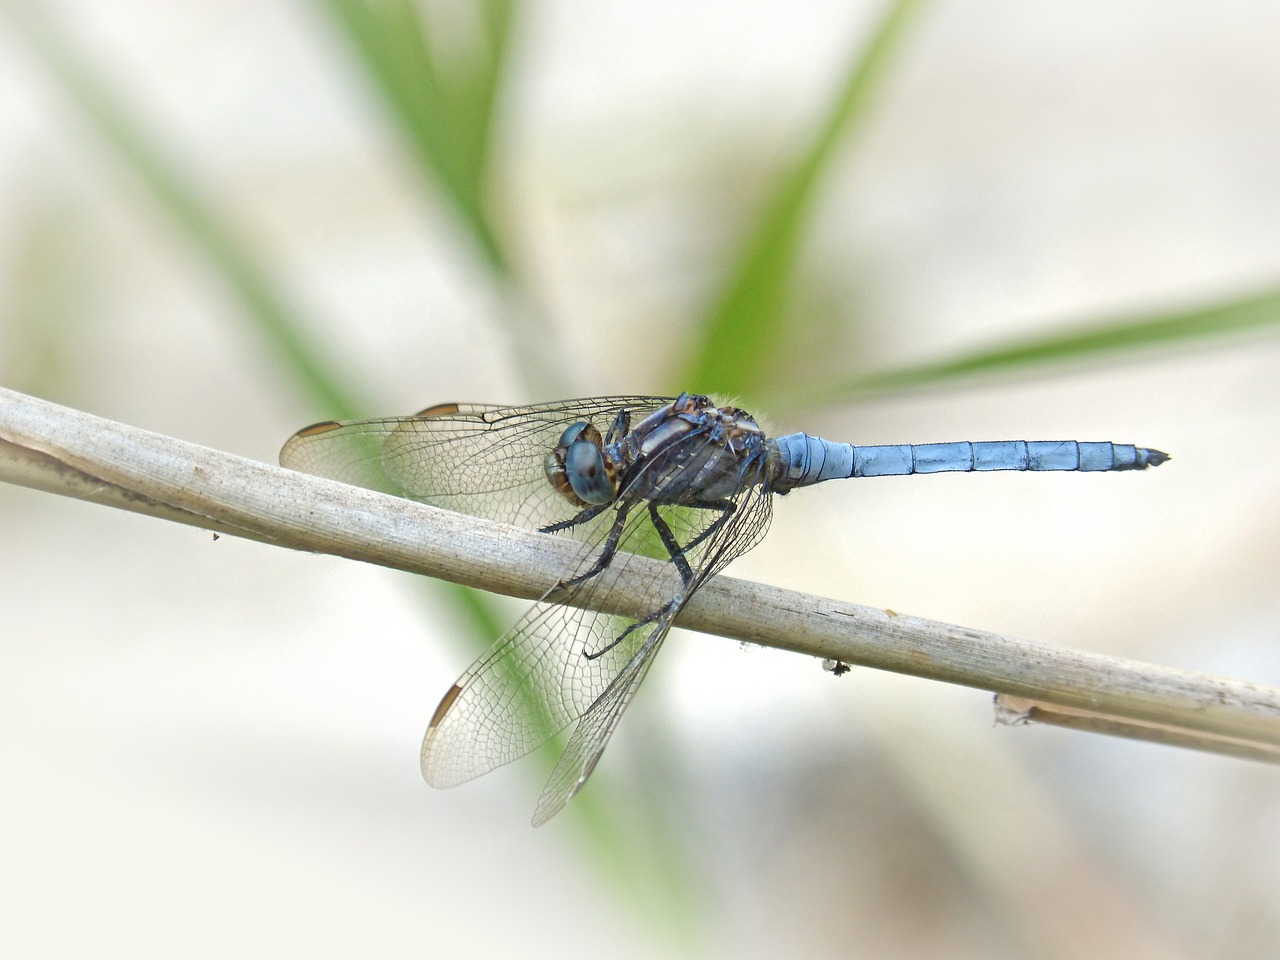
{"x": 578, "y": 468}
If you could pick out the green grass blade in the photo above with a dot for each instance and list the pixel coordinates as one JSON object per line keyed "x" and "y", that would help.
{"x": 1091, "y": 342}
{"x": 627, "y": 850}
{"x": 746, "y": 328}
{"x": 279, "y": 325}
{"x": 274, "y": 318}
{"x": 43, "y": 289}
{"x": 441, "y": 88}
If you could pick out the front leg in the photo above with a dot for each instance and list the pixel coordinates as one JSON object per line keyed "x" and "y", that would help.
{"x": 582, "y": 516}
{"x": 606, "y": 554}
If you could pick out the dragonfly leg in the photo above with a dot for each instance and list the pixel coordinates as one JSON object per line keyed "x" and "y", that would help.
{"x": 674, "y": 550}
{"x": 678, "y": 557}
{"x": 620, "y": 428}
{"x": 582, "y": 516}
{"x": 679, "y": 554}
{"x": 666, "y": 610}
{"x": 606, "y": 553}
{"x": 726, "y": 508}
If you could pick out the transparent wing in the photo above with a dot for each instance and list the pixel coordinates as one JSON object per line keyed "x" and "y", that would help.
{"x": 560, "y": 663}
{"x": 486, "y": 461}
{"x": 586, "y": 745}
{"x": 593, "y": 731}
{"x": 545, "y": 672}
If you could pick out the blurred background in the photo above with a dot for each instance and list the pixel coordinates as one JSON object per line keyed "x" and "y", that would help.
{"x": 912, "y": 222}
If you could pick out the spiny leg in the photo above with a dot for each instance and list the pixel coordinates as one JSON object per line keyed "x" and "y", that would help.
{"x": 677, "y": 554}
{"x": 665, "y": 610}
{"x": 674, "y": 550}
{"x": 582, "y": 516}
{"x": 606, "y": 554}
{"x": 726, "y": 508}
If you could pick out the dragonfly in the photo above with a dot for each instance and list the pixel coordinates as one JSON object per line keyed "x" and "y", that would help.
{"x": 684, "y": 479}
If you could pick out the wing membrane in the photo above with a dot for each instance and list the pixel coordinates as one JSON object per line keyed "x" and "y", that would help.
{"x": 545, "y": 672}
{"x": 473, "y": 458}
{"x": 559, "y": 664}
{"x": 739, "y": 534}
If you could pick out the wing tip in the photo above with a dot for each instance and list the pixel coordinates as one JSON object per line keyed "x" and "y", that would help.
{"x": 432, "y": 772}
{"x": 552, "y": 802}
{"x": 439, "y": 410}
{"x": 291, "y": 445}
{"x": 323, "y": 426}
{"x": 446, "y": 702}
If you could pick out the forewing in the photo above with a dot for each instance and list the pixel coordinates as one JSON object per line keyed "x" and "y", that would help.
{"x": 486, "y": 461}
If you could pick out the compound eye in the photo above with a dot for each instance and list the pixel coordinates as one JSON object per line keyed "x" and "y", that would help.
{"x": 584, "y": 467}
{"x": 572, "y": 433}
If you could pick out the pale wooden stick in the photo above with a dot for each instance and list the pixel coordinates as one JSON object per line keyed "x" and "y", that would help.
{"x": 61, "y": 450}
{"x": 1015, "y": 711}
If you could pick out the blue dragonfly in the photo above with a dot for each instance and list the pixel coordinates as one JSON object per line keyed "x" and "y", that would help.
{"x": 682, "y": 479}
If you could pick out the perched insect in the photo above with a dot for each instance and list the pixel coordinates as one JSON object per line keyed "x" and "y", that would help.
{"x": 680, "y": 478}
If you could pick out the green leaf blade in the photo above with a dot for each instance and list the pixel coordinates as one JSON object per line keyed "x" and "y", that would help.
{"x": 744, "y": 331}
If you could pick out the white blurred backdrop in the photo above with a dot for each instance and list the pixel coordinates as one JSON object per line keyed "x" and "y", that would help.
{"x": 210, "y": 748}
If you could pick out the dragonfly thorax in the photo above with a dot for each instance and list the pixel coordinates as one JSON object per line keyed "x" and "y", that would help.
{"x": 691, "y": 451}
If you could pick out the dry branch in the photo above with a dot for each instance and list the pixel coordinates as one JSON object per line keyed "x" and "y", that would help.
{"x": 64, "y": 451}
